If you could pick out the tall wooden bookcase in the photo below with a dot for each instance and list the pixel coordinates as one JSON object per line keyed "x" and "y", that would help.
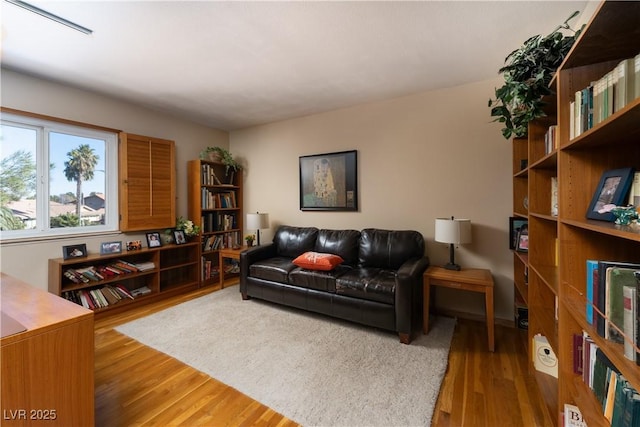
{"x": 215, "y": 203}
{"x": 559, "y": 246}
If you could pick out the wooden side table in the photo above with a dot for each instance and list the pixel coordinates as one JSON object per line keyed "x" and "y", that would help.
{"x": 230, "y": 253}
{"x": 468, "y": 279}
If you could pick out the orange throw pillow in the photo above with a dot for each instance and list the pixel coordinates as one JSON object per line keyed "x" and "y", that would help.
{"x": 318, "y": 261}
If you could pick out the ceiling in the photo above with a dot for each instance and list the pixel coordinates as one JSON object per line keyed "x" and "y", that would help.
{"x": 234, "y": 64}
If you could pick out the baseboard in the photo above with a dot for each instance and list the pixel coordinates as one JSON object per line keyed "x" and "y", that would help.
{"x": 475, "y": 317}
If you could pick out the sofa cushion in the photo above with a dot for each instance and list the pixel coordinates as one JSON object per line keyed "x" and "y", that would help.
{"x": 389, "y": 249}
{"x": 318, "y": 280}
{"x": 293, "y": 241}
{"x": 275, "y": 269}
{"x": 344, "y": 243}
{"x": 318, "y": 261}
{"x": 374, "y": 284}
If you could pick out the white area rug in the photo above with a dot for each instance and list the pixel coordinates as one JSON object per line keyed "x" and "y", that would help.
{"x": 315, "y": 370}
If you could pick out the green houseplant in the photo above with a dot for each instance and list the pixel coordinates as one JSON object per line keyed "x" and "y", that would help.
{"x": 221, "y": 155}
{"x": 527, "y": 74}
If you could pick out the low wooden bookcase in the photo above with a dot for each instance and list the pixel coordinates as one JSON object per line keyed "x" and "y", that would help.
{"x": 175, "y": 270}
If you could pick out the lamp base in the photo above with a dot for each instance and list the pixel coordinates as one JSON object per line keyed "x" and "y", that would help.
{"x": 451, "y": 266}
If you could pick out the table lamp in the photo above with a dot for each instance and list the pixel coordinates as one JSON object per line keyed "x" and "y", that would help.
{"x": 257, "y": 221}
{"x": 453, "y": 231}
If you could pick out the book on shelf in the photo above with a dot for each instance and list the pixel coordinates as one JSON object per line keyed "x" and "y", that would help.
{"x": 634, "y": 192}
{"x": 617, "y": 278}
{"x": 605, "y": 96}
{"x": 630, "y": 329}
{"x": 603, "y": 293}
{"x": 143, "y": 290}
{"x": 544, "y": 358}
{"x": 573, "y": 416}
{"x": 592, "y": 280}
{"x": 554, "y": 196}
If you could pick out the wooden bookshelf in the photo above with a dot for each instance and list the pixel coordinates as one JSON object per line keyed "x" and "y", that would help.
{"x": 559, "y": 246}
{"x": 175, "y": 270}
{"x": 215, "y": 204}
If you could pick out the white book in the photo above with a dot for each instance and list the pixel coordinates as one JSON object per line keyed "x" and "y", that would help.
{"x": 572, "y": 120}
{"x": 544, "y": 359}
{"x": 624, "y": 92}
{"x": 578, "y": 112}
{"x": 573, "y": 416}
{"x": 629, "y": 323}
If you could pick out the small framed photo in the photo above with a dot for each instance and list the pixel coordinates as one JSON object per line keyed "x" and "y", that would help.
{"x": 179, "y": 237}
{"x": 329, "y": 182}
{"x": 612, "y": 190}
{"x": 153, "y": 240}
{"x": 134, "y": 245}
{"x": 522, "y": 244}
{"x": 74, "y": 251}
{"x": 515, "y": 224}
{"x": 110, "y": 248}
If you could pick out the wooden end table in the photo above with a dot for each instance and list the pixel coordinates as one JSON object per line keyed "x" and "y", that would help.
{"x": 230, "y": 253}
{"x": 468, "y": 279}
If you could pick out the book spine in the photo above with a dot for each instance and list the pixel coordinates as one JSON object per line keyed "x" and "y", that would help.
{"x": 629, "y": 302}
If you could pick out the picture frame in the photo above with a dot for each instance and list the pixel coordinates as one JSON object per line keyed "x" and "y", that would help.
{"x": 134, "y": 245}
{"x": 522, "y": 244}
{"x": 110, "y": 248}
{"x": 611, "y": 190}
{"x": 153, "y": 240}
{"x": 515, "y": 224}
{"x": 179, "y": 237}
{"x": 74, "y": 251}
{"x": 329, "y": 182}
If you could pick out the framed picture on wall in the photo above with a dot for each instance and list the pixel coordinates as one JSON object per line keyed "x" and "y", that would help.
{"x": 329, "y": 182}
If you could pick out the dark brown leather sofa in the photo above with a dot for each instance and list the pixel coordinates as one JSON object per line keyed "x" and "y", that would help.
{"x": 379, "y": 283}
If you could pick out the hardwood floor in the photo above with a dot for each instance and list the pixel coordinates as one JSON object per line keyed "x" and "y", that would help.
{"x": 139, "y": 386}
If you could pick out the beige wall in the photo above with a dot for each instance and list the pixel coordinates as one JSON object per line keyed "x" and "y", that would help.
{"x": 422, "y": 156}
{"x": 28, "y": 260}
{"x": 428, "y": 155}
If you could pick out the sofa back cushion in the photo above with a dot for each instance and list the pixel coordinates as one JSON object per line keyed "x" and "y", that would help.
{"x": 344, "y": 243}
{"x": 389, "y": 248}
{"x": 293, "y": 241}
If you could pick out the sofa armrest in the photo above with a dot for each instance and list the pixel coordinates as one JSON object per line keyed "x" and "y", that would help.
{"x": 251, "y": 256}
{"x": 409, "y": 294}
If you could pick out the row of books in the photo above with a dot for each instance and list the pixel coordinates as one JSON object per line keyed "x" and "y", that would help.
{"x": 612, "y": 302}
{"x": 620, "y": 401}
{"x": 209, "y": 271}
{"x": 220, "y": 241}
{"x": 218, "y": 221}
{"x": 208, "y": 176}
{"x": 605, "y": 96}
{"x": 98, "y": 273}
{"x": 216, "y": 200}
{"x": 99, "y": 297}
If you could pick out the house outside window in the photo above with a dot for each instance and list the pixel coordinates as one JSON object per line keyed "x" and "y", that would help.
{"x": 56, "y": 178}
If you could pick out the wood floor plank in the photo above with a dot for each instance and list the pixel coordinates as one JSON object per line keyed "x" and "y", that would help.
{"x": 139, "y": 386}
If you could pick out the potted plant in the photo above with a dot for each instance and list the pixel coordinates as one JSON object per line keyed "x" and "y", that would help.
{"x": 527, "y": 75}
{"x": 250, "y": 238}
{"x": 221, "y": 155}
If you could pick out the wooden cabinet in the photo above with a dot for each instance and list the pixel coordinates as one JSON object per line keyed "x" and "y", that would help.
{"x": 560, "y": 245}
{"x": 147, "y": 183}
{"x": 169, "y": 270}
{"x": 215, "y": 204}
{"x": 47, "y": 366}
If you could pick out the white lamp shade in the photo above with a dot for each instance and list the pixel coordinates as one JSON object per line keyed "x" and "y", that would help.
{"x": 456, "y": 231}
{"x": 257, "y": 221}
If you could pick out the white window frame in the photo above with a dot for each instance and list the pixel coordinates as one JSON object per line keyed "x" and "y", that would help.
{"x": 43, "y": 128}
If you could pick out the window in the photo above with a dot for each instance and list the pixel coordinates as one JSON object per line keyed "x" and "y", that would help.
{"x": 56, "y": 178}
